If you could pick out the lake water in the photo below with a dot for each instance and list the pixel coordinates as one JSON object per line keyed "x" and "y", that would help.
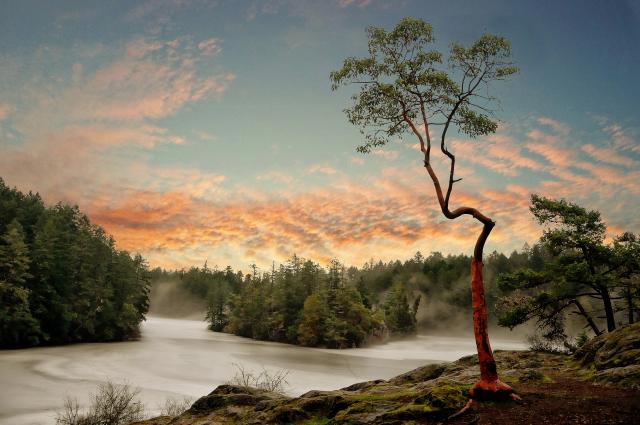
{"x": 177, "y": 358}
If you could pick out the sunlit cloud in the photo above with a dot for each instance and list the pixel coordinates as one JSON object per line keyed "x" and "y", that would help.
{"x": 389, "y": 155}
{"x": 609, "y": 156}
{"x": 4, "y": 110}
{"x": 557, "y": 126}
{"x": 128, "y": 130}
{"x": 210, "y": 46}
{"x": 99, "y": 127}
{"x": 322, "y": 169}
{"x": 276, "y": 176}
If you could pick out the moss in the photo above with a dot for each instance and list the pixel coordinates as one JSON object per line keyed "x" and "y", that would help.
{"x": 411, "y": 411}
{"x": 406, "y": 394}
{"x": 359, "y": 407}
{"x": 547, "y": 379}
{"x": 317, "y": 421}
{"x": 446, "y": 394}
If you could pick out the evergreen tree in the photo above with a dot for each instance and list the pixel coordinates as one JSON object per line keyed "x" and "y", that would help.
{"x": 14, "y": 255}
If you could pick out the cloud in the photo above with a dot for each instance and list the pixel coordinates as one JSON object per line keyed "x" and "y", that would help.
{"x": 152, "y": 81}
{"x": 609, "y": 156}
{"x": 557, "y": 126}
{"x": 621, "y": 138}
{"x": 318, "y": 224}
{"x": 4, "y": 110}
{"x": 322, "y": 169}
{"x": 206, "y": 136}
{"x": 276, "y": 176}
{"x": 210, "y": 46}
{"x": 548, "y": 146}
{"x": 386, "y": 154}
{"x": 499, "y": 153}
{"x": 384, "y": 216}
{"x": 359, "y": 3}
{"x": 91, "y": 132}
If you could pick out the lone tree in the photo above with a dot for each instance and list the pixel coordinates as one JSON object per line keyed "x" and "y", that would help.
{"x": 582, "y": 276}
{"x": 404, "y": 87}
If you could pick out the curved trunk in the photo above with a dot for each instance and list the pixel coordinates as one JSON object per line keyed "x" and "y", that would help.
{"x": 489, "y": 386}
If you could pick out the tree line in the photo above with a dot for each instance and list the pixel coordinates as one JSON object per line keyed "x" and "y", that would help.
{"x": 62, "y": 279}
{"x": 298, "y": 302}
{"x": 568, "y": 280}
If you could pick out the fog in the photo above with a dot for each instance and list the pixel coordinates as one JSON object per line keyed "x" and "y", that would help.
{"x": 168, "y": 299}
{"x": 176, "y": 358}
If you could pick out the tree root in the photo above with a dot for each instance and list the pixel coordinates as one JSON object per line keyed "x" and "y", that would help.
{"x": 481, "y": 391}
{"x": 495, "y": 390}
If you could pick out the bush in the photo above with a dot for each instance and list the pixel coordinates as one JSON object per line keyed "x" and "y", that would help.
{"x": 275, "y": 382}
{"x": 111, "y": 405}
{"x": 175, "y": 407}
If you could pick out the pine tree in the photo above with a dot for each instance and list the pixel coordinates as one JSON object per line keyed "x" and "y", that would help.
{"x": 14, "y": 255}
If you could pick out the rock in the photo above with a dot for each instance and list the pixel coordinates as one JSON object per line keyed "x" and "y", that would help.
{"x": 625, "y": 377}
{"x": 424, "y": 373}
{"x": 428, "y": 394}
{"x": 615, "y": 349}
{"x": 613, "y": 358}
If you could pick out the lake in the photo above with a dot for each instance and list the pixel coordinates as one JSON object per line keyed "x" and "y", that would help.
{"x": 177, "y": 358}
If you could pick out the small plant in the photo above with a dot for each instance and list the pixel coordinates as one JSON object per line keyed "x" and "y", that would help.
{"x": 175, "y": 407}
{"x": 547, "y": 345}
{"x": 275, "y": 382}
{"x": 111, "y": 405}
{"x": 581, "y": 339}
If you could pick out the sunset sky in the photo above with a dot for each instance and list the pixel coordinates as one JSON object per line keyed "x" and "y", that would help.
{"x": 207, "y": 130}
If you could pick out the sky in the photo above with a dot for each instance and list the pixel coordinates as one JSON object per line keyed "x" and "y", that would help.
{"x": 198, "y": 131}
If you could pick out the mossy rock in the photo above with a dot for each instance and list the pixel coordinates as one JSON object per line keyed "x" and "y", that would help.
{"x": 231, "y": 395}
{"x": 443, "y": 398}
{"x": 625, "y": 377}
{"x": 368, "y": 384}
{"x": 288, "y": 415}
{"x": 616, "y": 349}
{"x": 424, "y": 373}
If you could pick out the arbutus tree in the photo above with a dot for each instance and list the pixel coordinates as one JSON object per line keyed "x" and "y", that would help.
{"x": 406, "y": 87}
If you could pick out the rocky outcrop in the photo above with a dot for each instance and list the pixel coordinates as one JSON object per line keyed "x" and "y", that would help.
{"x": 612, "y": 358}
{"x": 552, "y": 386}
{"x": 430, "y": 393}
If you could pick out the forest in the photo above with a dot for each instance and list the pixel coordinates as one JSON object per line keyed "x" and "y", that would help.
{"x": 572, "y": 284}
{"x": 62, "y": 279}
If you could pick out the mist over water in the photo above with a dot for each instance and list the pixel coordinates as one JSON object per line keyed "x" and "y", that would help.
{"x": 168, "y": 299}
{"x": 176, "y": 358}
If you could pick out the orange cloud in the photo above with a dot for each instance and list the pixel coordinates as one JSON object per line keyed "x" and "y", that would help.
{"x": 4, "y": 110}
{"x": 609, "y": 156}
{"x": 557, "y": 126}
{"x": 385, "y": 218}
{"x": 547, "y": 146}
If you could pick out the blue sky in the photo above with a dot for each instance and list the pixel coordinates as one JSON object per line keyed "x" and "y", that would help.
{"x": 194, "y": 129}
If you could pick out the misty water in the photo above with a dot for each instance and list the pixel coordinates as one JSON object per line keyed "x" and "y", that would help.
{"x": 177, "y": 358}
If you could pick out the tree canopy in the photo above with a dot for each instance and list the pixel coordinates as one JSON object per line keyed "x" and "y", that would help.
{"x": 581, "y": 274}
{"x": 61, "y": 278}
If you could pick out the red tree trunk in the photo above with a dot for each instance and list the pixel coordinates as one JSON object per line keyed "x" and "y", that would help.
{"x": 488, "y": 371}
{"x": 489, "y": 386}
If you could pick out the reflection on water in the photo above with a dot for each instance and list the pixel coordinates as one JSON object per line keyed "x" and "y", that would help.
{"x": 176, "y": 358}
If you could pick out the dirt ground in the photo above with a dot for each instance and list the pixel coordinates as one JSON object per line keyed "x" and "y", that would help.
{"x": 566, "y": 401}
